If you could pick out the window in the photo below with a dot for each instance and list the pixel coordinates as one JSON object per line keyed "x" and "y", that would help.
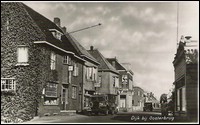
{"x": 8, "y": 84}
{"x": 100, "y": 79}
{"x": 75, "y": 73}
{"x": 94, "y": 73}
{"x": 50, "y": 101}
{"x": 22, "y": 54}
{"x": 178, "y": 100}
{"x": 70, "y": 77}
{"x": 80, "y": 87}
{"x": 53, "y": 61}
{"x": 74, "y": 92}
{"x": 113, "y": 81}
{"x": 51, "y": 90}
{"x": 116, "y": 82}
{"x": 7, "y": 23}
{"x": 183, "y": 99}
{"x": 90, "y": 72}
{"x": 57, "y": 34}
{"x": 124, "y": 79}
{"x": 66, "y": 59}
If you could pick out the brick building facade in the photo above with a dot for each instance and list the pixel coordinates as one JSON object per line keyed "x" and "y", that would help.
{"x": 41, "y": 71}
{"x": 125, "y": 88}
{"x": 186, "y": 78}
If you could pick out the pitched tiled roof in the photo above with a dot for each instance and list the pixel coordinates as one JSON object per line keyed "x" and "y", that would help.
{"x": 104, "y": 64}
{"x": 118, "y": 66}
{"x": 45, "y": 24}
{"x": 80, "y": 49}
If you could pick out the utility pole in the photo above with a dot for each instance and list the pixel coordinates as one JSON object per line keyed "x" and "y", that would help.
{"x": 177, "y": 24}
{"x": 85, "y": 28}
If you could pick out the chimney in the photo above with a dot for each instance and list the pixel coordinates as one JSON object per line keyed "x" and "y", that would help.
{"x": 64, "y": 29}
{"x": 91, "y": 48}
{"x": 57, "y": 21}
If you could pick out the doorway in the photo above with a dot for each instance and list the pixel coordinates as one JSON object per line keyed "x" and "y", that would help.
{"x": 64, "y": 98}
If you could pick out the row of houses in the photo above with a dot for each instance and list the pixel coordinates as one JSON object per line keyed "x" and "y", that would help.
{"x": 140, "y": 97}
{"x": 185, "y": 94}
{"x": 45, "y": 70}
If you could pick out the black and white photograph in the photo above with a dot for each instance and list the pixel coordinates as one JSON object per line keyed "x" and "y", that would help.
{"x": 100, "y": 62}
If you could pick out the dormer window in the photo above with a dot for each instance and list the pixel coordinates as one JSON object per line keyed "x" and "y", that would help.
{"x": 57, "y": 34}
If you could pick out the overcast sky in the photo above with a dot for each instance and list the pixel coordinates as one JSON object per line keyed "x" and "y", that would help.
{"x": 143, "y": 34}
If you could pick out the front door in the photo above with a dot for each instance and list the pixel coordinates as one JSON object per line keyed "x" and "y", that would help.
{"x": 64, "y": 98}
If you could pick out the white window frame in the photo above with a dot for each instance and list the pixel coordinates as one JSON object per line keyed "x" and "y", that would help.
{"x": 66, "y": 60}
{"x": 8, "y": 84}
{"x": 75, "y": 72}
{"x": 116, "y": 82}
{"x": 53, "y": 60}
{"x": 22, "y": 55}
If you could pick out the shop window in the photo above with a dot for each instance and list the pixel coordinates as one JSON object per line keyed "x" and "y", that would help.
{"x": 51, "y": 97}
{"x": 50, "y": 101}
{"x": 51, "y": 90}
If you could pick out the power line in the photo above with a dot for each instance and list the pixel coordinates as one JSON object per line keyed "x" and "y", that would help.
{"x": 85, "y": 28}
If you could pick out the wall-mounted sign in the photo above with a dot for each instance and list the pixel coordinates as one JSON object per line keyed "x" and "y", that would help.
{"x": 70, "y": 68}
{"x": 124, "y": 79}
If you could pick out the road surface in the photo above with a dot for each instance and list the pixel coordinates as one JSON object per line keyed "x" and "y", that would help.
{"x": 122, "y": 117}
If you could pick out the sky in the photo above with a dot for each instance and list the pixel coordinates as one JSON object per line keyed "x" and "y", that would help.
{"x": 143, "y": 34}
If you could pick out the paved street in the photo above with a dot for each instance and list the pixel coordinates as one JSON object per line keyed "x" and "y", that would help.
{"x": 123, "y": 117}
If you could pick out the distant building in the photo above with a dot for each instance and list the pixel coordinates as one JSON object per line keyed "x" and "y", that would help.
{"x": 125, "y": 85}
{"x": 90, "y": 73}
{"x": 186, "y": 78}
{"x": 138, "y": 98}
{"x": 149, "y": 97}
{"x": 108, "y": 76}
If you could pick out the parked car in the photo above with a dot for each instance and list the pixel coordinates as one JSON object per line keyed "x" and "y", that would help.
{"x": 148, "y": 106}
{"x": 101, "y": 104}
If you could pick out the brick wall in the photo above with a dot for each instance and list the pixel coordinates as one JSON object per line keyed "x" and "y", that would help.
{"x": 180, "y": 69}
{"x": 192, "y": 91}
